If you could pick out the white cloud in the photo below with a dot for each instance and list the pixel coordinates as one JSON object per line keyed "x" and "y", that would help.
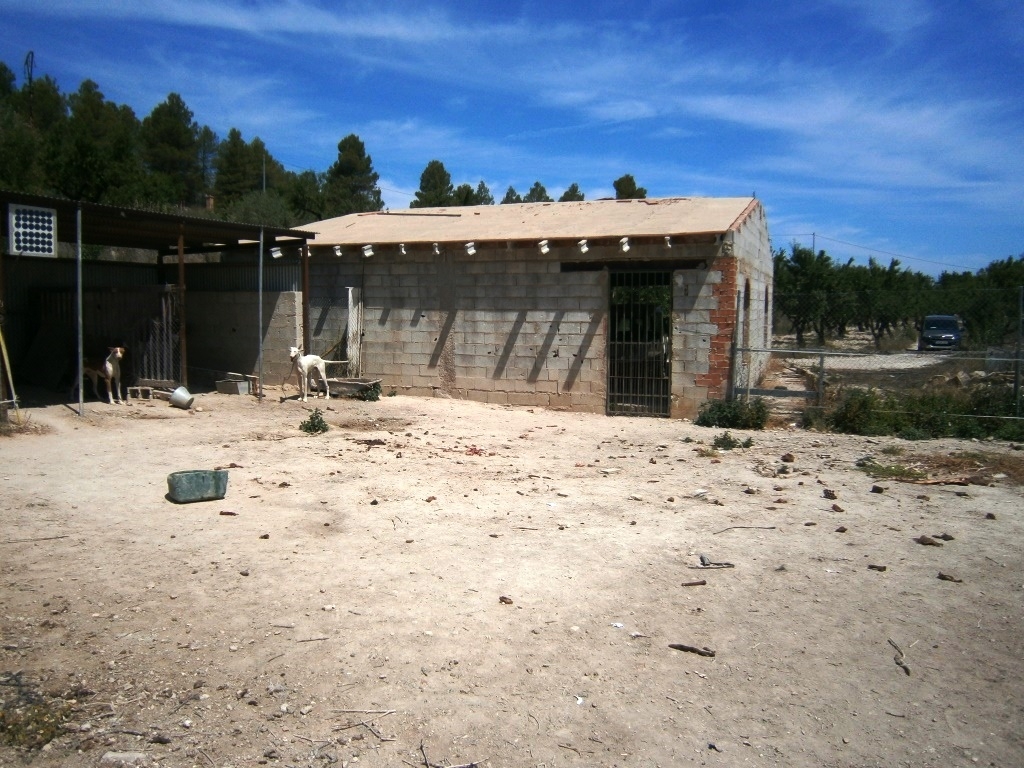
{"x": 895, "y": 18}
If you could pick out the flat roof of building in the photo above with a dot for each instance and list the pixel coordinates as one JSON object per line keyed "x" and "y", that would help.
{"x": 679, "y": 217}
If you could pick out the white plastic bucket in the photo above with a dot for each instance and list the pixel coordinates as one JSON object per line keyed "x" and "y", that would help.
{"x": 180, "y": 398}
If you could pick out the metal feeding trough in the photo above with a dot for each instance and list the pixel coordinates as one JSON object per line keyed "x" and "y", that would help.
{"x": 350, "y": 387}
{"x": 197, "y": 485}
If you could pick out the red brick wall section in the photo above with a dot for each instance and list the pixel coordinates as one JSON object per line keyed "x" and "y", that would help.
{"x": 724, "y": 316}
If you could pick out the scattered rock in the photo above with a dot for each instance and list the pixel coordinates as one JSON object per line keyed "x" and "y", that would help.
{"x": 880, "y": 568}
{"x": 504, "y": 600}
{"x": 841, "y": 529}
{"x": 126, "y": 759}
{"x": 789, "y": 458}
{"x": 990, "y": 515}
{"x": 944, "y": 537}
{"x": 947, "y": 577}
{"x": 878, "y": 489}
{"x": 837, "y": 508}
{"x": 928, "y": 541}
{"x": 828, "y": 493}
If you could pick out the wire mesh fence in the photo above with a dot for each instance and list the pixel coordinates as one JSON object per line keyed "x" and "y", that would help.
{"x": 949, "y": 361}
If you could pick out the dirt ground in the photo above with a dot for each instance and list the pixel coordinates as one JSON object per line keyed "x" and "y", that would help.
{"x": 443, "y": 583}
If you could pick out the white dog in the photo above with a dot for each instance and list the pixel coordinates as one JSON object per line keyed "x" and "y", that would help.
{"x": 109, "y": 370}
{"x": 304, "y": 365}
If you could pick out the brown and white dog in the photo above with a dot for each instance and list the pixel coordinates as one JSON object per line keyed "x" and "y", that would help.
{"x": 304, "y": 365}
{"x": 109, "y": 370}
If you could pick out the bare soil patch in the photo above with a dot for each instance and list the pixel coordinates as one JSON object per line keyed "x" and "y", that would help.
{"x": 444, "y": 583}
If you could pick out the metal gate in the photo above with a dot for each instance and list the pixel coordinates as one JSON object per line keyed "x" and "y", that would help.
{"x": 155, "y": 345}
{"x": 145, "y": 320}
{"x": 640, "y": 344}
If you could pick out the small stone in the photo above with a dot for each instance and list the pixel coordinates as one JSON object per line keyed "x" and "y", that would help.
{"x": 126, "y": 759}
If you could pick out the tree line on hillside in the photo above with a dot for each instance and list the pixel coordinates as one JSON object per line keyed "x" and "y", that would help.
{"x": 819, "y": 299}
{"x": 82, "y": 146}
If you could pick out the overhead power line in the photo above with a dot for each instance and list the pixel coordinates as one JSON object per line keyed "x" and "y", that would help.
{"x": 870, "y": 249}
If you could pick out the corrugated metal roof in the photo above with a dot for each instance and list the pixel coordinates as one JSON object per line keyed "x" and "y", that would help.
{"x": 592, "y": 219}
{"x": 132, "y": 228}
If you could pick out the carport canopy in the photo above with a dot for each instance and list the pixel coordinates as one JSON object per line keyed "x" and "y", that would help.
{"x": 166, "y": 233}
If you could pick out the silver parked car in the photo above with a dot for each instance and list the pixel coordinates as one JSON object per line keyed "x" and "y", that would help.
{"x": 940, "y": 332}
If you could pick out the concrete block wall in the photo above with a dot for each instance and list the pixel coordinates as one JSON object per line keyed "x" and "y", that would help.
{"x": 694, "y": 298}
{"x": 754, "y": 280}
{"x": 505, "y": 326}
{"x": 222, "y": 333}
{"x": 728, "y": 302}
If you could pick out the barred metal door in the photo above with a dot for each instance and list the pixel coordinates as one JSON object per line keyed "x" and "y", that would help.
{"x": 640, "y": 344}
{"x": 155, "y": 346}
{"x": 145, "y": 320}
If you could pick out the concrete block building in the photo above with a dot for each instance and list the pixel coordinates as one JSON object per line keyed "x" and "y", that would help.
{"x": 631, "y": 307}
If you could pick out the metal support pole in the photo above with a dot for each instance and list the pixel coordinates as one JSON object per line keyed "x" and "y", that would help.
{"x": 182, "y": 317}
{"x": 78, "y": 303}
{"x": 3, "y": 310}
{"x": 259, "y": 290}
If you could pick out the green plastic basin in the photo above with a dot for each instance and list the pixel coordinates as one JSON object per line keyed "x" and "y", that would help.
{"x": 197, "y": 485}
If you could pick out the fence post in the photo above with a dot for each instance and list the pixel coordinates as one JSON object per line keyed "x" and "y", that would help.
{"x": 821, "y": 380}
{"x": 1017, "y": 362}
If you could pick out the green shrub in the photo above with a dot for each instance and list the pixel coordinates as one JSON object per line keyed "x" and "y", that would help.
{"x": 727, "y": 442}
{"x": 966, "y": 414}
{"x": 315, "y": 424}
{"x": 733, "y": 414}
{"x": 372, "y": 393}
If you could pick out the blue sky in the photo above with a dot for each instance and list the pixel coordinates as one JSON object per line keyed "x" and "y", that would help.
{"x": 889, "y": 128}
